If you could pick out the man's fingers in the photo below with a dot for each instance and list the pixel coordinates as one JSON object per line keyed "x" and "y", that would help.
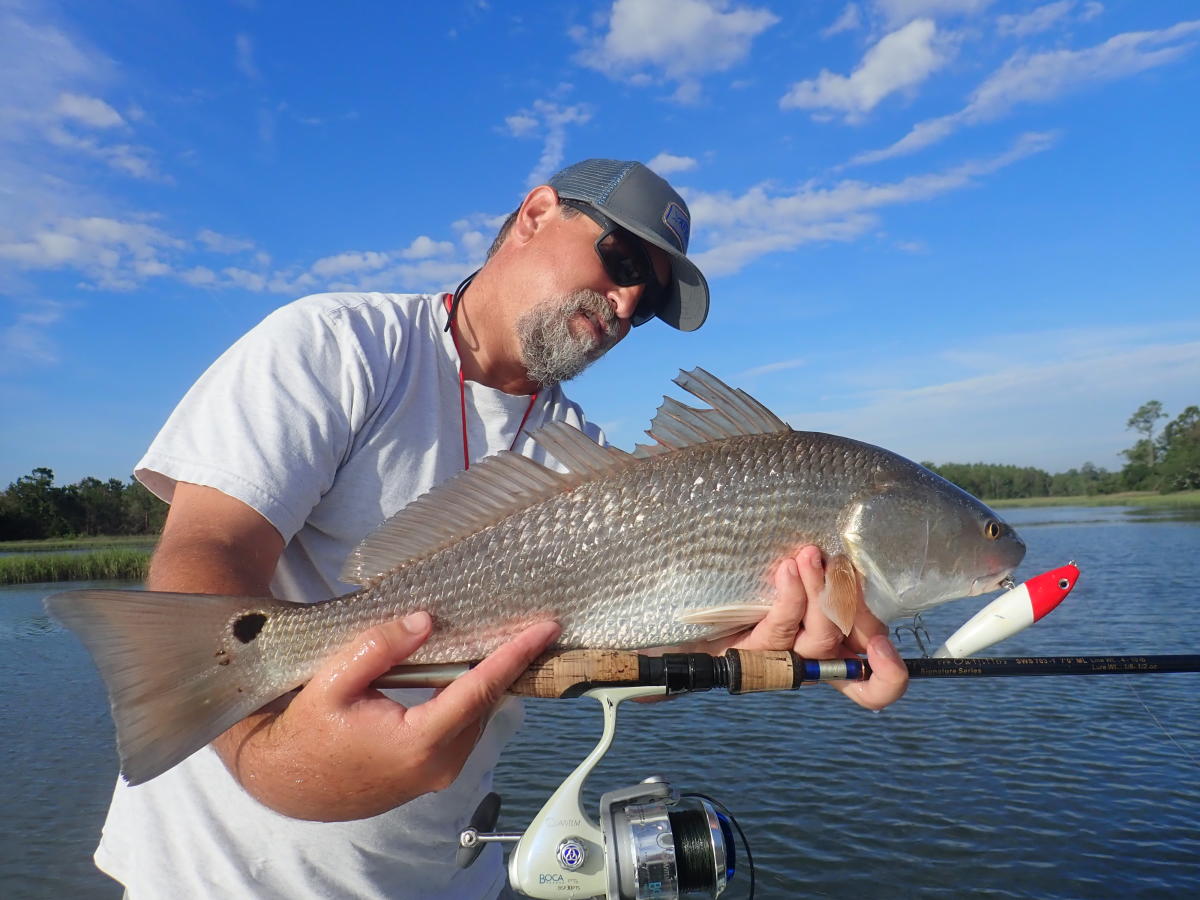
{"x": 866, "y": 626}
{"x": 345, "y": 677}
{"x": 820, "y": 638}
{"x": 888, "y": 681}
{"x": 473, "y": 695}
{"x": 777, "y": 630}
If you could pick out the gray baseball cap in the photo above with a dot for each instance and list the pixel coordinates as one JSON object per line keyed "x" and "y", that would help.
{"x": 642, "y": 202}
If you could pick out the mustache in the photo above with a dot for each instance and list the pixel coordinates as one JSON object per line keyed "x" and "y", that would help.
{"x": 598, "y": 307}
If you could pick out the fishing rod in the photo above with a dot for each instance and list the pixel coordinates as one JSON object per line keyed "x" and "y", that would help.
{"x": 576, "y": 672}
{"x": 573, "y": 673}
{"x": 683, "y": 844}
{"x": 650, "y": 833}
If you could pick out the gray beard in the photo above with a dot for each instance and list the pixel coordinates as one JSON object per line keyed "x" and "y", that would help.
{"x": 550, "y": 352}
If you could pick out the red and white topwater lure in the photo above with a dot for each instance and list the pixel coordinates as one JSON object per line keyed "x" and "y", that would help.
{"x": 1013, "y": 611}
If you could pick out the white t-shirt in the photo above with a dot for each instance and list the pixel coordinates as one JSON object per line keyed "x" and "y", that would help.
{"x": 328, "y": 417}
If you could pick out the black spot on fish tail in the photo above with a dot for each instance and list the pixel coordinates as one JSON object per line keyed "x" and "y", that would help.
{"x": 246, "y": 628}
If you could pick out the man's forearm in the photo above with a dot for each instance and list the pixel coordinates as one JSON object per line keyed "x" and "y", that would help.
{"x": 207, "y": 565}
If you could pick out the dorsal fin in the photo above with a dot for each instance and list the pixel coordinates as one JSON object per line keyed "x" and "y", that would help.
{"x": 733, "y": 413}
{"x": 489, "y": 491}
{"x": 497, "y": 487}
{"x": 578, "y": 452}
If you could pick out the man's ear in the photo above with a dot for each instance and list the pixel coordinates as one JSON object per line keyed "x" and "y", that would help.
{"x": 538, "y": 207}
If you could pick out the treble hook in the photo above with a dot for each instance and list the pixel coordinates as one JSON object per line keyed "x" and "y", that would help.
{"x": 919, "y": 632}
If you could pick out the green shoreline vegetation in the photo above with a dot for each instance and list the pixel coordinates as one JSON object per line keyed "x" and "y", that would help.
{"x": 94, "y": 542}
{"x": 1142, "y": 499}
{"x": 97, "y": 565}
{"x": 116, "y": 523}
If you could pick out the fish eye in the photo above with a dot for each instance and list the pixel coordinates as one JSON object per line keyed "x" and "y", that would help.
{"x": 991, "y": 530}
{"x": 1063, "y": 584}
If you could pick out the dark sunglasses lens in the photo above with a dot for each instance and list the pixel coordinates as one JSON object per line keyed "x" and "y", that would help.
{"x": 624, "y": 259}
{"x": 651, "y": 303}
{"x": 627, "y": 263}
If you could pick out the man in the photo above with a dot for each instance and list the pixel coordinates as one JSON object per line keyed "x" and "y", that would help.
{"x": 317, "y": 425}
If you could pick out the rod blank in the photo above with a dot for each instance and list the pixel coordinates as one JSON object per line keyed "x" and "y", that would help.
{"x": 572, "y": 673}
{"x": 1007, "y": 666}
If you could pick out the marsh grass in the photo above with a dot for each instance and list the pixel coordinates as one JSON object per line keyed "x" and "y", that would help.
{"x": 97, "y": 565}
{"x": 1177, "y": 500}
{"x": 103, "y": 542}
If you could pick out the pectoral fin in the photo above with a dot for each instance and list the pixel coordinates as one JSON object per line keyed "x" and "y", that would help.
{"x": 840, "y": 599}
{"x": 726, "y": 619}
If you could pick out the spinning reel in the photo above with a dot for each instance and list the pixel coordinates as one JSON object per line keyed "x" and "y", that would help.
{"x": 649, "y": 841}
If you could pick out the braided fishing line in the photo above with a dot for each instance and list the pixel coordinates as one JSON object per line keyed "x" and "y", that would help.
{"x": 741, "y": 834}
{"x": 1163, "y": 728}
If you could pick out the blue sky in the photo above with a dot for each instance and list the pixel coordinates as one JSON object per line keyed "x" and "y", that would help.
{"x": 962, "y": 229}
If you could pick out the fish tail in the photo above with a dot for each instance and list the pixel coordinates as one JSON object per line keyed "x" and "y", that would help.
{"x": 180, "y": 668}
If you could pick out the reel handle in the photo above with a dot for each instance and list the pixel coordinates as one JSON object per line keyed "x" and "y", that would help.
{"x": 574, "y": 672}
{"x": 569, "y": 674}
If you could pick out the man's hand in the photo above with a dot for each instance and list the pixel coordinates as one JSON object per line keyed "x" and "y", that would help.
{"x": 342, "y": 750}
{"x": 338, "y": 749}
{"x": 795, "y": 622}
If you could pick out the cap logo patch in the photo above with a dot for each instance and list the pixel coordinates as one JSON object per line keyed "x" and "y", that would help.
{"x": 676, "y": 218}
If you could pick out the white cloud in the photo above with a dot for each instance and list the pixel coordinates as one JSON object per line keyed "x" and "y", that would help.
{"x": 520, "y": 125}
{"x": 742, "y": 228}
{"x": 900, "y": 61}
{"x": 423, "y": 247}
{"x": 39, "y": 62}
{"x": 244, "y": 48}
{"x": 849, "y": 20}
{"x": 1032, "y": 384}
{"x": 1046, "y": 76}
{"x": 1043, "y": 77}
{"x": 222, "y": 243}
{"x": 245, "y": 279}
{"x": 199, "y": 276}
{"x": 360, "y": 262}
{"x": 549, "y": 121}
{"x": 115, "y": 254}
{"x": 51, "y": 102}
{"x": 1045, "y": 17}
{"x": 26, "y": 340}
{"x": 898, "y": 11}
{"x": 89, "y": 110}
{"x": 666, "y": 164}
{"x": 351, "y": 261}
{"x": 681, "y": 40}
{"x": 771, "y": 368}
{"x": 421, "y": 275}
{"x": 129, "y": 159}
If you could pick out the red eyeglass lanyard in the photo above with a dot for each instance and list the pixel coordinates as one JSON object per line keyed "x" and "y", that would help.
{"x": 462, "y": 394}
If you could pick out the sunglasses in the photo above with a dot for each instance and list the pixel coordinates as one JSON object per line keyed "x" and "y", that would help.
{"x": 627, "y": 262}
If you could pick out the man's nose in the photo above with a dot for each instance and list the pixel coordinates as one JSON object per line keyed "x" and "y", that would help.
{"x": 625, "y": 299}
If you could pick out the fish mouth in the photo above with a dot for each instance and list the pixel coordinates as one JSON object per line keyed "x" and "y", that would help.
{"x": 993, "y": 581}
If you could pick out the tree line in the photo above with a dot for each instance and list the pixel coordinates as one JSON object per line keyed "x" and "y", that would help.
{"x": 1163, "y": 460}
{"x": 1166, "y": 459}
{"x": 34, "y": 507}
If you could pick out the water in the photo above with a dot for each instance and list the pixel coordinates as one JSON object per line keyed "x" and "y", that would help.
{"x": 1048, "y": 788}
{"x": 56, "y": 740}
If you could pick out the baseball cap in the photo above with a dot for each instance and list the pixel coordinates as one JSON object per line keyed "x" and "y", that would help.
{"x": 643, "y": 203}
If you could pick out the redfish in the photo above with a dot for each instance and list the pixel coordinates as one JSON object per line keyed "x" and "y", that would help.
{"x": 672, "y": 543}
